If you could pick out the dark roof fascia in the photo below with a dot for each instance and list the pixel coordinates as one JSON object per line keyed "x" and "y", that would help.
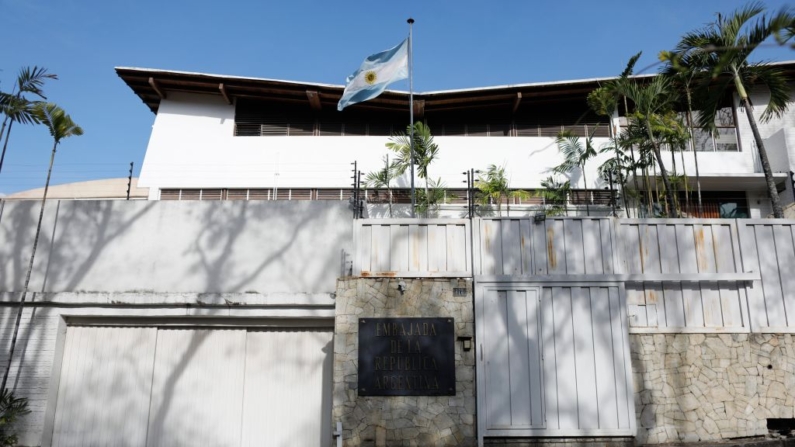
{"x": 150, "y": 85}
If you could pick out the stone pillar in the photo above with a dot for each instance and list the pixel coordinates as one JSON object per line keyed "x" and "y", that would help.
{"x": 402, "y": 420}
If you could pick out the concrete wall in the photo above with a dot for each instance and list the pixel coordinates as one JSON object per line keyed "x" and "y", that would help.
{"x": 168, "y": 247}
{"x": 193, "y": 145}
{"x": 708, "y": 387}
{"x": 137, "y": 262}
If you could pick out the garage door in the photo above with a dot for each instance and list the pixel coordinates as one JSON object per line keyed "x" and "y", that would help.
{"x": 215, "y": 387}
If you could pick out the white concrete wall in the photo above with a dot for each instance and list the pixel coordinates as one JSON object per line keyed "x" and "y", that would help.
{"x": 193, "y": 146}
{"x": 142, "y": 262}
{"x": 191, "y": 247}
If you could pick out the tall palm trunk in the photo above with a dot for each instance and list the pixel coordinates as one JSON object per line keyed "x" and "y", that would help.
{"x": 5, "y": 144}
{"x": 30, "y": 269}
{"x": 427, "y": 199}
{"x": 388, "y": 187}
{"x": 772, "y": 191}
{"x": 587, "y": 197}
{"x": 619, "y": 168}
{"x": 693, "y": 146}
{"x": 663, "y": 173}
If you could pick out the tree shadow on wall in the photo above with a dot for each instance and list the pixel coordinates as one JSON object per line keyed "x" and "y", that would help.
{"x": 296, "y": 244}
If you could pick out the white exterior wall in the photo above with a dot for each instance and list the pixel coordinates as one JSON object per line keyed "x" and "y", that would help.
{"x": 191, "y": 247}
{"x": 193, "y": 146}
{"x": 247, "y": 264}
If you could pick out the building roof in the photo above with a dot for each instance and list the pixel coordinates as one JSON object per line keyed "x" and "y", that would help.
{"x": 152, "y": 85}
{"x": 113, "y": 188}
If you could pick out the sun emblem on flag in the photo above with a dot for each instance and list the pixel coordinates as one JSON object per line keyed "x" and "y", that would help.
{"x": 370, "y": 77}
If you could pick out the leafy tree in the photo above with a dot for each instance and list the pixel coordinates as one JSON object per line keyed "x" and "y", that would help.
{"x": 652, "y": 100}
{"x": 493, "y": 188}
{"x": 555, "y": 195}
{"x": 16, "y": 107}
{"x": 576, "y": 155}
{"x": 604, "y": 101}
{"x": 685, "y": 77}
{"x": 60, "y": 126}
{"x": 720, "y": 53}
{"x": 426, "y": 152}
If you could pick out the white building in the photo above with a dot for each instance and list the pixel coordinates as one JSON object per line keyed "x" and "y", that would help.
{"x": 221, "y": 137}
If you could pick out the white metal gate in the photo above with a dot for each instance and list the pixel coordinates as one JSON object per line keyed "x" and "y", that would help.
{"x": 194, "y": 386}
{"x": 553, "y": 360}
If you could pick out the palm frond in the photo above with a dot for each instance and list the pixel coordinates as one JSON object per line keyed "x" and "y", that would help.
{"x": 31, "y": 80}
{"x": 18, "y": 109}
{"x": 426, "y": 151}
{"x": 57, "y": 121}
{"x": 631, "y": 65}
{"x": 776, "y": 82}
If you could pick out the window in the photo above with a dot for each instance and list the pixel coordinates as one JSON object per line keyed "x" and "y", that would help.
{"x": 725, "y": 137}
{"x": 262, "y": 118}
{"x": 255, "y": 194}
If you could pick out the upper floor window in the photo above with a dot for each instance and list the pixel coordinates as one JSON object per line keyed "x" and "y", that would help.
{"x": 724, "y": 139}
{"x": 254, "y": 118}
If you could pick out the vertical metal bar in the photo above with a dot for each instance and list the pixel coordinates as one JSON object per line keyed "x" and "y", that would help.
{"x": 129, "y": 181}
{"x": 361, "y": 201}
{"x": 355, "y": 189}
{"x": 411, "y": 118}
{"x": 612, "y": 194}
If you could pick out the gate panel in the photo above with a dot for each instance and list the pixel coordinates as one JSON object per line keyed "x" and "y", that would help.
{"x": 513, "y": 366}
{"x": 768, "y": 247}
{"x": 553, "y": 360}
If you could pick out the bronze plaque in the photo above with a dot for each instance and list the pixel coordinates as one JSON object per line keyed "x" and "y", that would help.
{"x": 406, "y": 357}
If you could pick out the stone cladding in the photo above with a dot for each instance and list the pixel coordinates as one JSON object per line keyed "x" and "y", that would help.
{"x": 406, "y": 420}
{"x": 710, "y": 387}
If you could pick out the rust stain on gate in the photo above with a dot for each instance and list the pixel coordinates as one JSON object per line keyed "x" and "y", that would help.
{"x": 701, "y": 256}
{"x": 553, "y": 262}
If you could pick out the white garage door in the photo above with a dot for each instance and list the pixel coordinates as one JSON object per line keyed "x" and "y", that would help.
{"x": 215, "y": 387}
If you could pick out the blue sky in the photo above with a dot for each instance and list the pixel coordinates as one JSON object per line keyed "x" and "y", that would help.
{"x": 457, "y": 44}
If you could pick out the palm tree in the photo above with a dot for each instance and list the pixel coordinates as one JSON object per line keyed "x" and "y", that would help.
{"x": 18, "y": 109}
{"x": 382, "y": 179}
{"x": 604, "y": 101}
{"x": 555, "y": 194}
{"x": 652, "y": 100}
{"x": 435, "y": 195}
{"x": 493, "y": 188}
{"x": 60, "y": 126}
{"x": 576, "y": 155}
{"x": 685, "y": 76}
{"x": 721, "y": 51}
{"x": 425, "y": 152}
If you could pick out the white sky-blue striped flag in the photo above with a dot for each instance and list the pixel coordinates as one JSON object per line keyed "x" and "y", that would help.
{"x": 376, "y": 73}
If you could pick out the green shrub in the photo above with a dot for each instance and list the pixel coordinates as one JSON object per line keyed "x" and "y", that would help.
{"x": 11, "y": 408}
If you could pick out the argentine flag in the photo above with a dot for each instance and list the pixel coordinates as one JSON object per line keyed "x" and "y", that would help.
{"x": 376, "y": 73}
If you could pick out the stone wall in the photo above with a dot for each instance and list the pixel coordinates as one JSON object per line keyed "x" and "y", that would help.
{"x": 410, "y": 420}
{"x": 706, "y": 387}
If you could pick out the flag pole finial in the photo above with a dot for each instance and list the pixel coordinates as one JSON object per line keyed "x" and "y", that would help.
{"x": 410, "y": 21}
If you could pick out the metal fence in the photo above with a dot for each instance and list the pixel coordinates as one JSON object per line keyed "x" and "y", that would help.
{"x": 680, "y": 275}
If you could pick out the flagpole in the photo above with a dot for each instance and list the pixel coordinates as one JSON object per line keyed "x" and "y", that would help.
{"x": 411, "y": 118}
